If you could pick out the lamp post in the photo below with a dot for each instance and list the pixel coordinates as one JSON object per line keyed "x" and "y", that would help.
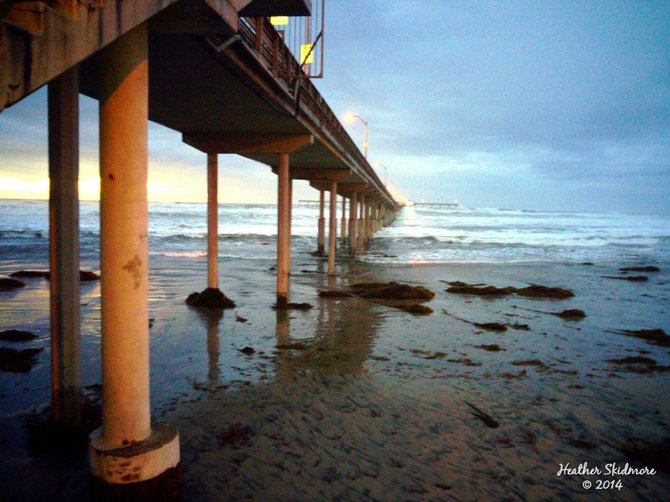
{"x": 378, "y": 165}
{"x": 365, "y": 137}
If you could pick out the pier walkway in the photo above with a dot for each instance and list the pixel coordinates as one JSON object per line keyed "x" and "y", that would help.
{"x": 220, "y": 74}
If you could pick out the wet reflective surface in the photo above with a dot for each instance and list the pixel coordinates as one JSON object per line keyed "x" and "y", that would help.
{"x": 357, "y": 400}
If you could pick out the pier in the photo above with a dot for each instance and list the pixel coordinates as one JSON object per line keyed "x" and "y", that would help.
{"x": 435, "y": 204}
{"x": 219, "y": 73}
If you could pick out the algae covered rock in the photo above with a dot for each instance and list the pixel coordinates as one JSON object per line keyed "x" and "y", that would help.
{"x": 537, "y": 291}
{"x": 18, "y": 361}
{"x": 31, "y": 273}
{"x": 293, "y": 306}
{"x": 572, "y": 314}
{"x": 210, "y": 298}
{"x": 475, "y": 289}
{"x": 391, "y": 291}
{"x": 531, "y": 291}
{"x": 416, "y": 308}
{"x": 17, "y": 335}
{"x": 7, "y": 284}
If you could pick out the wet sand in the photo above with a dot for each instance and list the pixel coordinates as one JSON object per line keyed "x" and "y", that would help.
{"x": 355, "y": 399}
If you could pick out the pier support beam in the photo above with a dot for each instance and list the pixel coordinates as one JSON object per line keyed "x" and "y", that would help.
{"x": 321, "y": 240}
{"x": 130, "y": 457}
{"x": 353, "y": 211}
{"x": 283, "y": 145}
{"x": 290, "y": 223}
{"x": 212, "y": 221}
{"x": 368, "y": 223}
{"x": 343, "y": 231}
{"x": 332, "y": 231}
{"x": 64, "y": 248}
{"x": 361, "y": 224}
{"x": 373, "y": 220}
{"x": 283, "y": 231}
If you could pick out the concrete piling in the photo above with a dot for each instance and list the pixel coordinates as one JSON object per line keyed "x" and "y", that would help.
{"x": 343, "y": 226}
{"x": 212, "y": 221}
{"x": 321, "y": 240}
{"x": 64, "y": 248}
{"x": 332, "y": 231}
{"x": 353, "y": 211}
{"x": 128, "y": 453}
{"x": 283, "y": 237}
{"x": 361, "y": 224}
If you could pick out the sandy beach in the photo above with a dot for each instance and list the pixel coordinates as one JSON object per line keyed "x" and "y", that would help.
{"x": 356, "y": 399}
{"x": 308, "y": 251}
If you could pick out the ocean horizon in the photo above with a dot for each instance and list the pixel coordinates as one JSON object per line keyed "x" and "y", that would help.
{"x": 356, "y": 398}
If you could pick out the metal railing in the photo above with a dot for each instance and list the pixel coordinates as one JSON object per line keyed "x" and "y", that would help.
{"x": 259, "y": 34}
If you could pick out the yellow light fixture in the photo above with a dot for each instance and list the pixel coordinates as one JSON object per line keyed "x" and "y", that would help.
{"x": 306, "y": 54}
{"x": 279, "y": 20}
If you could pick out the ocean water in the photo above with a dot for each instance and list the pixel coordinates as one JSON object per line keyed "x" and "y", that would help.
{"x": 356, "y": 399}
{"x": 419, "y": 235}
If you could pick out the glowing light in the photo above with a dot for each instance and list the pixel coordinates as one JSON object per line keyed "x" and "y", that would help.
{"x": 19, "y": 188}
{"x": 306, "y": 54}
{"x": 279, "y": 20}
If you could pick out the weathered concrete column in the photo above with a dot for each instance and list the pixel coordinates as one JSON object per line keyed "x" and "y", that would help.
{"x": 373, "y": 220}
{"x": 321, "y": 241}
{"x": 343, "y": 231}
{"x": 290, "y": 223}
{"x": 283, "y": 237}
{"x": 353, "y": 211}
{"x": 212, "y": 221}
{"x": 332, "y": 231}
{"x": 361, "y": 224}
{"x": 366, "y": 238}
{"x": 129, "y": 455}
{"x": 373, "y": 216}
{"x": 64, "y": 248}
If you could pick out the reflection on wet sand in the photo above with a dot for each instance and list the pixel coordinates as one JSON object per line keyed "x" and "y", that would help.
{"x": 341, "y": 345}
{"x": 212, "y": 319}
{"x": 322, "y": 428}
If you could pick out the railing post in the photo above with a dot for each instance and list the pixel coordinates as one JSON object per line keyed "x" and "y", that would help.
{"x": 275, "y": 56}
{"x": 259, "y": 33}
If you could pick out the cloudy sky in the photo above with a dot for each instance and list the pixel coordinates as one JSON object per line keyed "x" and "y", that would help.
{"x": 544, "y": 105}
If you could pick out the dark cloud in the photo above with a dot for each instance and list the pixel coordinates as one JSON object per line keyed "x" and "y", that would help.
{"x": 496, "y": 101}
{"x": 567, "y": 91}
